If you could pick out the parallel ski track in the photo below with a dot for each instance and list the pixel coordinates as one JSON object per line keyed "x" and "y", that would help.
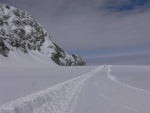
{"x": 113, "y": 78}
{"x": 56, "y": 99}
{"x": 127, "y": 97}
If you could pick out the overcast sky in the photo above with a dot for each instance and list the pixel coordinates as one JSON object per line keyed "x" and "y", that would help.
{"x": 101, "y": 31}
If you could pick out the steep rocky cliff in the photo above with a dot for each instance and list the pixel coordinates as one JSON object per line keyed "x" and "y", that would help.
{"x": 19, "y": 31}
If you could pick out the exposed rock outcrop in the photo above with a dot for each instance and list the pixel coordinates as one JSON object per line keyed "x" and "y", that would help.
{"x": 19, "y": 30}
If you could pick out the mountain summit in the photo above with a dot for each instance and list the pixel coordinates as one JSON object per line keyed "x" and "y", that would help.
{"x": 22, "y": 35}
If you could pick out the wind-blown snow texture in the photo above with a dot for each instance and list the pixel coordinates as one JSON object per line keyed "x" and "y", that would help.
{"x": 20, "y": 33}
{"x": 56, "y": 99}
{"x": 95, "y": 92}
{"x": 103, "y": 93}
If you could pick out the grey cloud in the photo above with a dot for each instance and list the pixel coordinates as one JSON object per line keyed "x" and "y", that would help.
{"x": 105, "y": 31}
{"x": 142, "y": 59}
{"x": 115, "y": 3}
{"x": 84, "y": 28}
{"x": 84, "y": 25}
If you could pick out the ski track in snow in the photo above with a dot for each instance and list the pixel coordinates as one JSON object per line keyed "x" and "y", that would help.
{"x": 136, "y": 100}
{"x": 60, "y": 98}
{"x": 115, "y": 97}
{"x": 113, "y": 78}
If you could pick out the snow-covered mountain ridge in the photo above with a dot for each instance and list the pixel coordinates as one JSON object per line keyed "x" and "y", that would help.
{"x": 19, "y": 32}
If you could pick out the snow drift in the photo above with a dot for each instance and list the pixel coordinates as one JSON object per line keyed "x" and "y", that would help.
{"x": 106, "y": 89}
{"x": 56, "y": 99}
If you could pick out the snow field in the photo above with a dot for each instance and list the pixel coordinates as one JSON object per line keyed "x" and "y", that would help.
{"x": 104, "y": 93}
{"x": 113, "y": 78}
{"x": 128, "y": 99}
{"x": 99, "y": 91}
{"x": 56, "y": 99}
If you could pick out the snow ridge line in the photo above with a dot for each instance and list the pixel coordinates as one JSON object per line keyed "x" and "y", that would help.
{"x": 113, "y": 78}
{"x": 56, "y": 99}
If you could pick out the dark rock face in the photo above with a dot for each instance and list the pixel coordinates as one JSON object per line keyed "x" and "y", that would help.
{"x": 19, "y": 30}
{"x": 2, "y": 48}
{"x": 59, "y": 57}
{"x": 78, "y": 60}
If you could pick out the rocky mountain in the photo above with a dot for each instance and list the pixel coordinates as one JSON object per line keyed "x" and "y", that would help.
{"x": 20, "y": 32}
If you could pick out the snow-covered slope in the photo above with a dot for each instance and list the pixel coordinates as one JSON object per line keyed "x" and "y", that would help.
{"x": 23, "y": 35}
{"x": 95, "y": 92}
{"x": 56, "y": 99}
{"x": 104, "y": 93}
